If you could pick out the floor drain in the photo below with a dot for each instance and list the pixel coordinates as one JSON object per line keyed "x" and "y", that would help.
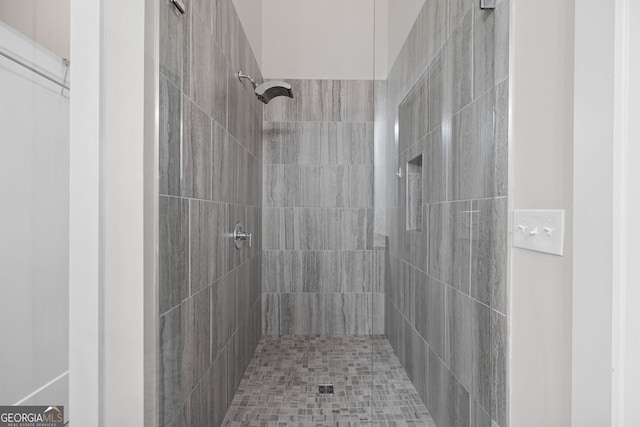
{"x": 326, "y": 388}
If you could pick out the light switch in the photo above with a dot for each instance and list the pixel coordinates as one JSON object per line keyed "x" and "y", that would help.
{"x": 539, "y": 230}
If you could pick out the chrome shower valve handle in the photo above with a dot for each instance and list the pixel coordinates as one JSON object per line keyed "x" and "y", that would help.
{"x": 239, "y": 236}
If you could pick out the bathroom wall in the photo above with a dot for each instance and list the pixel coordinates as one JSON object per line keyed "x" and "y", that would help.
{"x": 321, "y": 272}
{"x": 446, "y": 275}
{"x": 210, "y": 178}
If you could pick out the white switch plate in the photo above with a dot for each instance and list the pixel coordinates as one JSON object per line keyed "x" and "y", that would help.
{"x": 539, "y": 230}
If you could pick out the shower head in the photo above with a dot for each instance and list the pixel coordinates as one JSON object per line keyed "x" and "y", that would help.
{"x": 269, "y": 90}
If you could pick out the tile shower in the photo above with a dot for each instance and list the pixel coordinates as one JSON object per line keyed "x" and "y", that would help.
{"x": 395, "y": 293}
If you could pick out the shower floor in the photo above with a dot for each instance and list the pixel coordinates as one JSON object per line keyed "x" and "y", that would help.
{"x": 280, "y": 386}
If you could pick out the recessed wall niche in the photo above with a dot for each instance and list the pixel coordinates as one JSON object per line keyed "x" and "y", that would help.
{"x": 414, "y": 194}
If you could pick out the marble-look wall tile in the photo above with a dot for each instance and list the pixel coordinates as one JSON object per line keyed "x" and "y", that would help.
{"x": 416, "y": 359}
{"x": 219, "y": 94}
{"x": 356, "y": 100}
{"x": 325, "y": 135}
{"x": 483, "y": 51}
{"x": 360, "y": 186}
{"x": 220, "y": 315}
{"x": 460, "y": 345}
{"x": 195, "y": 180}
{"x": 431, "y": 312}
{"x": 499, "y": 348}
{"x": 459, "y": 63}
{"x": 282, "y": 186}
{"x": 207, "y": 243}
{"x": 357, "y": 270}
{"x": 278, "y": 271}
{"x": 312, "y": 186}
{"x": 450, "y": 243}
{"x": 174, "y": 252}
{"x": 331, "y": 272}
{"x": 175, "y": 42}
{"x": 170, "y": 154}
{"x": 308, "y": 228}
{"x": 210, "y": 167}
{"x": 448, "y": 399}
{"x": 301, "y": 314}
{"x": 170, "y": 396}
{"x": 488, "y": 252}
{"x": 196, "y": 339}
{"x": 224, "y": 164}
{"x": 378, "y": 315}
{"x": 201, "y": 60}
{"x": 219, "y": 399}
{"x": 332, "y": 186}
{"x": 347, "y": 313}
{"x": 354, "y": 144}
{"x": 270, "y": 314}
{"x": 475, "y": 159}
{"x": 438, "y": 168}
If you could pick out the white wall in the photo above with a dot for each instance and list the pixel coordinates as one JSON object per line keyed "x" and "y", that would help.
{"x": 250, "y": 13}
{"x": 311, "y": 39}
{"x": 34, "y": 223}
{"x": 46, "y": 22}
{"x": 541, "y": 174}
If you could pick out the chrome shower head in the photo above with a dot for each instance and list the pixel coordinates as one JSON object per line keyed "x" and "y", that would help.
{"x": 269, "y": 90}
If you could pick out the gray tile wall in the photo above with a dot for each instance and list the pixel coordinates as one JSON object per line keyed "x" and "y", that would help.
{"x": 210, "y": 178}
{"x": 321, "y": 272}
{"x": 446, "y": 285}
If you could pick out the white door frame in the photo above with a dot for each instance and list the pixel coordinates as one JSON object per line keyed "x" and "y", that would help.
{"x": 606, "y": 298}
{"x": 113, "y": 225}
{"x": 625, "y": 397}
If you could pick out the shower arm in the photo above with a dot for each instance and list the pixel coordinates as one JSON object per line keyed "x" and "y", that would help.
{"x": 241, "y": 76}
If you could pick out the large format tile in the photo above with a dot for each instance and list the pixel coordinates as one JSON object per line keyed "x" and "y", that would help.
{"x": 499, "y": 348}
{"x": 224, "y": 164}
{"x": 416, "y": 359}
{"x": 430, "y": 312}
{"x": 195, "y": 339}
{"x": 219, "y": 400}
{"x": 270, "y": 314}
{"x": 489, "y": 252}
{"x": 356, "y": 100}
{"x": 170, "y": 154}
{"x": 173, "y": 252}
{"x": 170, "y": 396}
{"x": 308, "y": 228}
{"x": 477, "y": 158}
{"x": 220, "y": 315}
{"x": 301, "y": 314}
{"x": 459, "y": 63}
{"x": 195, "y": 171}
{"x": 437, "y": 175}
{"x": 201, "y": 60}
{"x": 207, "y": 243}
{"x": 460, "y": 340}
{"x": 357, "y": 270}
{"x": 347, "y": 313}
{"x": 450, "y": 243}
{"x": 175, "y": 43}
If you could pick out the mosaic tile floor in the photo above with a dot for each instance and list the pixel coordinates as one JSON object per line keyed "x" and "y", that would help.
{"x": 280, "y": 386}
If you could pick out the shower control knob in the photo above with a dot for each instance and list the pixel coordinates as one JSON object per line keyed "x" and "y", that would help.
{"x": 239, "y": 236}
